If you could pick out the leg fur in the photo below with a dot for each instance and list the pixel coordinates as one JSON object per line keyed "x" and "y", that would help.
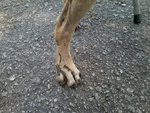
{"x": 70, "y": 16}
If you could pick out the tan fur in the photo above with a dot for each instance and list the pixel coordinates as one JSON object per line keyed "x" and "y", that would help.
{"x": 67, "y": 21}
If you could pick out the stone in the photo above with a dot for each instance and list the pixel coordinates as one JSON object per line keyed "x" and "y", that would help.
{"x": 123, "y": 4}
{"x": 36, "y": 80}
{"x": 4, "y": 94}
{"x": 99, "y": 89}
{"x": 12, "y": 78}
{"x": 91, "y": 99}
{"x": 130, "y": 90}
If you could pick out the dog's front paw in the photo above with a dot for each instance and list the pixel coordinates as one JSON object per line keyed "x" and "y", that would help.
{"x": 69, "y": 75}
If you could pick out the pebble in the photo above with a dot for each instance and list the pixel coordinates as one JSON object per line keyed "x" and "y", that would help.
{"x": 129, "y": 90}
{"x": 48, "y": 86}
{"x": 118, "y": 78}
{"x": 4, "y": 94}
{"x": 71, "y": 104}
{"x": 23, "y": 112}
{"x": 142, "y": 98}
{"x": 55, "y": 100}
{"x": 120, "y": 111}
{"x": 123, "y": 4}
{"x": 120, "y": 70}
{"x": 93, "y": 74}
{"x": 12, "y": 78}
{"x": 16, "y": 84}
{"x": 46, "y": 3}
{"x": 91, "y": 88}
{"x": 128, "y": 98}
{"x": 115, "y": 15}
{"x": 50, "y": 9}
{"x": 132, "y": 109}
{"x": 104, "y": 52}
{"x": 91, "y": 99}
{"x": 56, "y": 107}
{"x": 36, "y": 80}
{"x": 116, "y": 72}
{"x": 4, "y": 55}
{"x": 96, "y": 96}
{"x": 99, "y": 1}
{"x": 112, "y": 71}
{"x": 122, "y": 16}
{"x": 99, "y": 89}
{"x": 138, "y": 111}
{"x": 27, "y": 5}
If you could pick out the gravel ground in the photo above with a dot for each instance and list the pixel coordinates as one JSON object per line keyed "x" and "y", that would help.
{"x": 112, "y": 53}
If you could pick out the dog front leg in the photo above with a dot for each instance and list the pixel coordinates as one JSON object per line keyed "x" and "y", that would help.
{"x": 67, "y": 21}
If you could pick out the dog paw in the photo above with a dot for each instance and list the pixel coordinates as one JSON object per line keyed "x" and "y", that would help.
{"x": 69, "y": 75}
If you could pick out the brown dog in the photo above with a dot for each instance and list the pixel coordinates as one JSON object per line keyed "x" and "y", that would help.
{"x": 66, "y": 23}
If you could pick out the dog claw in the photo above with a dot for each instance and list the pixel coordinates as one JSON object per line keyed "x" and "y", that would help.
{"x": 67, "y": 77}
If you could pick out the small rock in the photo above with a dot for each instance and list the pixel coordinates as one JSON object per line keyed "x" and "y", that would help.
{"x": 27, "y": 5}
{"x": 12, "y": 78}
{"x": 121, "y": 71}
{"x": 118, "y": 78}
{"x": 132, "y": 109}
{"x": 46, "y": 3}
{"x": 138, "y": 111}
{"x": 112, "y": 71}
{"x": 85, "y": 107}
{"x": 99, "y": 89}
{"x": 52, "y": 105}
{"x": 64, "y": 107}
{"x": 91, "y": 88}
{"x": 104, "y": 52}
{"x": 5, "y": 83}
{"x": 36, "y": 80}
{"x": 96, "y": 96}
{"x": 99, "y": 1}
{"x": 120, "y": 111}
{"x": 142, "y": 97}
{"x": 22, "y": 111}
{"x": 123, "y": 4}
{"x": 71, "y": 104}
{"x": 115, "y": 15}
{"x": 76, "y": 50}
{"x": 122, "y": 16}
{"x": 102, "y": 70}
{"x": 93, "y": 74}
{"x": 56, "y": 107}
{"x": 4, "y": 94}
{"x": 48, "y": 86}
{"x": 16, "y": 84}
{"x": 128, "y": 97}
{"x": 98, "y": 56}
{"x": 47, "y": 103}
{"x": 130, "y": 90}
{"x": 50, "y": 9}
{"x": 55, "y": 100}
{"x": 124, "y": 28}
{"x": 116, "y": 72}
{"x": 91, "y": 99}
{"x": 4, "y": 55}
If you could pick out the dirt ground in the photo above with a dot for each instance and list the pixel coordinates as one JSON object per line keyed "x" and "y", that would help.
{"x": 112, "y": 53}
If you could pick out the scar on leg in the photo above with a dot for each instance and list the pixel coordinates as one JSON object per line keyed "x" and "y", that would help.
{"x": 60, "y": 58}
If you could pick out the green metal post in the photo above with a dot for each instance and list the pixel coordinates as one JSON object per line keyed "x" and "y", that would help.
{"x": 137, "y": 12}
